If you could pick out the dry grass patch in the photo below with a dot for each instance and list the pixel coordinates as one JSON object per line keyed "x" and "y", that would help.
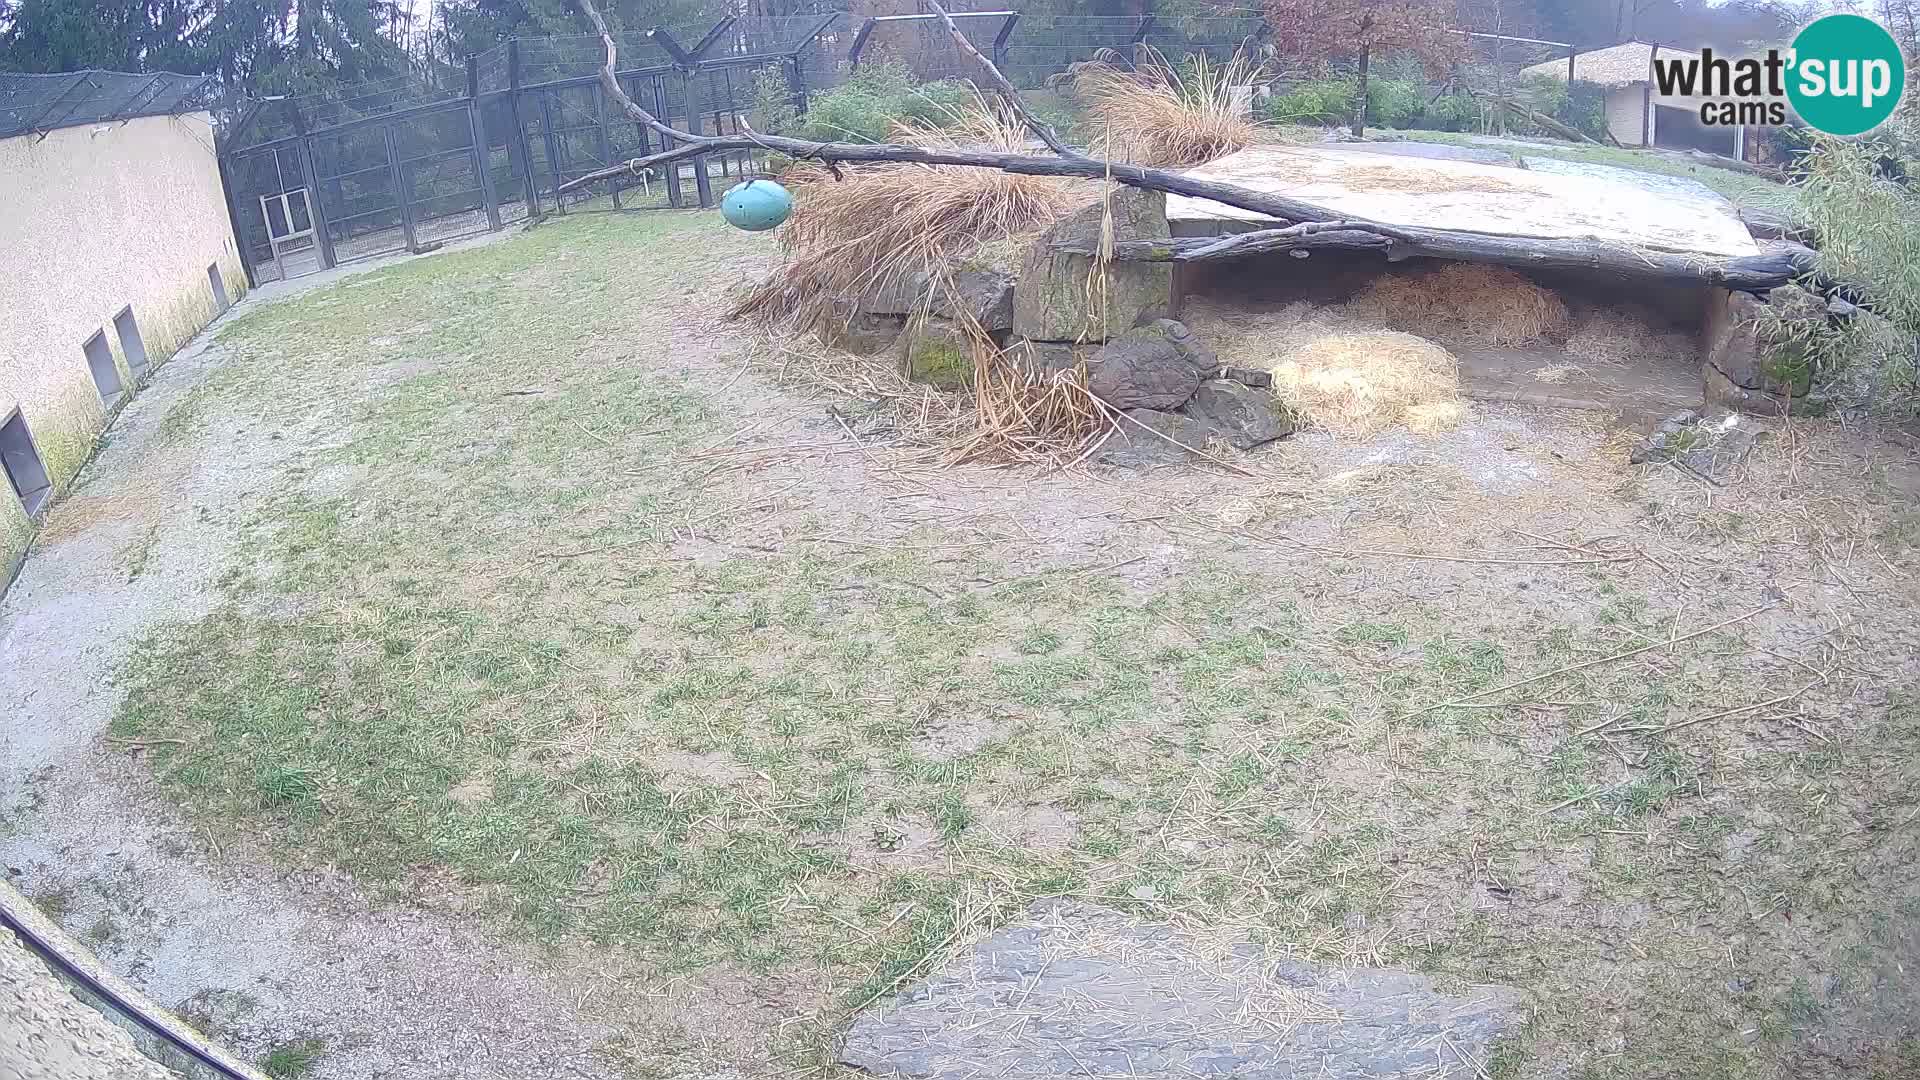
{"x": 1467, "y": 302}
{"x": 862, "y": 230}
{"x": 1157, "y": 113}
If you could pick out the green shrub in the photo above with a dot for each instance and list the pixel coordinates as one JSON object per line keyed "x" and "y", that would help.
{"x": 1452, "y": 112}
{"x": 1390, "y": 103}
{"x": 1323, "y": 101}
{"x": 771, "y": 107}
{"x": 867, "y": 107}
{"x": 1868, "y": 227}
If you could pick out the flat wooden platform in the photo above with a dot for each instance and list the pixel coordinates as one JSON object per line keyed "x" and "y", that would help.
{"x": 1468, "y": 196}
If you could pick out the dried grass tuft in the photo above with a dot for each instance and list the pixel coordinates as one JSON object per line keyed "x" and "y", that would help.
{"x": 1361, "y": 383}
{"x": 1157, "y": 113}
{"x": 1465, "y": 302}
{"x": 881, "y": 225}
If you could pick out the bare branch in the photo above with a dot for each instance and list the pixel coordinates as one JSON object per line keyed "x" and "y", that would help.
{"x": 1003, "y": 86}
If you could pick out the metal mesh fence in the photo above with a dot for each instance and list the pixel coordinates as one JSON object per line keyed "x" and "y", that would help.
{"x": 37, "y": 103}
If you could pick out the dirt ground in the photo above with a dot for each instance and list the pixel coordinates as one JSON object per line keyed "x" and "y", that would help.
{"x": 483, "y": 666}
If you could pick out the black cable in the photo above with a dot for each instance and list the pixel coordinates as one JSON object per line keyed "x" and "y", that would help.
{"x": 92, "y": 985}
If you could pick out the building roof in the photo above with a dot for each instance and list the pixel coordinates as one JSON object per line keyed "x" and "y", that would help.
{"x": 1624, "y": 64}
{"x": 42, "y": 103}
{"x": 1616, "y": 65}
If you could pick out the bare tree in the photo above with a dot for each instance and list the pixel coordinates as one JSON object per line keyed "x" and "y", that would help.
{"x": 1363, "y": 29}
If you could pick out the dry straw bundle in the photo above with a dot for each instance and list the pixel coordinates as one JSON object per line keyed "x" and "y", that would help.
{"x": 1157, "y": 113}
{"x": 1337, "y": 373}
{"x": 869, "y": 228}
{"x": 1465, "y": 302}
{"x": 1357, "y": 384}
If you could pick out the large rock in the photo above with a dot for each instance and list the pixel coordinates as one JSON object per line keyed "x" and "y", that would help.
{"x": 937, "y": 352}
{"x": 1239, "y": 414}
{"x": 1156, "y": 366}
{"x": 1154, "y": 438}
{"x": 1044, "y": 358}
{"x": 987, "y": 295}
{"x": 864, "y": 332}
{"x": 1081, "y": 990}
{"x": 1052, "y": 300}
{"x": 1743, "y": 371}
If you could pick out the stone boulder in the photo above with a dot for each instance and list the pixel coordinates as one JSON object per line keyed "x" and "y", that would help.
{"x": 937, "y": 352}
{"x": 1052, "y": 301}
{"x": 987, "y": 295}
{"x": 1743, "y": 371}
{"x": 1156, "y": 366}
{"x": 1132, "y": 447}
{"x": 864, "y": 332}
{"x": 1043, "y": 358}
{"x": 1239, "y": 414}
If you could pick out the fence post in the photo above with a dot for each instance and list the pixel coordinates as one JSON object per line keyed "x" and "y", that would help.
{"x": 702, "y": 184}
{"x": 317, "y": 205}
{"x": 398, "y": 174}
{"x": 519, "y": 139}
{"x": 606, "y": 142}
{"x": 553, "y": 149}
{"x": 674, "y": 196}
{"x": 797, "y": 85}
{"x": 1571, "y": 53}
{"x": 482, "y": 151}
{"x": 1000, "y": 41}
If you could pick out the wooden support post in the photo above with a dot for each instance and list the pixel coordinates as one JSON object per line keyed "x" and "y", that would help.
{"x": 674, "y": 196}
{"x": 518, "y": 141}
{"x": 606, "y": 141}
{"x": 482, "y": 152}
{"x": 702, "y": 184}
{"x": 553, "y": 149}
{"x": 398, "y": 175}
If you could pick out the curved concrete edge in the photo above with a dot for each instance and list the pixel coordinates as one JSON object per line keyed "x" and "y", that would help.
{"x": 156, "y": 1032}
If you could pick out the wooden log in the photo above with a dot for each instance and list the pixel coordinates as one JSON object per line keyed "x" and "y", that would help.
{"x": 1756, "y": 273}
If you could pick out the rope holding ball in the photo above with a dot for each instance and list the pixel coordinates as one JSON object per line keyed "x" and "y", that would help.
{"x": 756, "y": 206}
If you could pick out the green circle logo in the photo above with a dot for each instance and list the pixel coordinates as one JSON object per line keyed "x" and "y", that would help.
{"x": 1847, "y": 74}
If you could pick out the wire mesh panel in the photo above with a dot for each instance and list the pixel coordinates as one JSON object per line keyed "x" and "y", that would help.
{"x": 927, "y": 49}
{"x": 30, "y": 103}
{"x": 443, "y": 194}
{"x": 272, "y": 202}
{"x": 1043, "y": 46}
{"x": 1217, "y": 38}
{"x": 358, "y": 197}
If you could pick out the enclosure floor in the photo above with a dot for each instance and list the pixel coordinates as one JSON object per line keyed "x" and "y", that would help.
{"x": 1545, "y": 376}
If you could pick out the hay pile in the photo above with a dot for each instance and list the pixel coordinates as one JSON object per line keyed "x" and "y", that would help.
{"x": 1616, "y": 335}
{"x": 1337, "y": 373}
{"x": 1158, "y": 114}
{"x": 882, "y": 224}
{"x": 1465, "y": 302}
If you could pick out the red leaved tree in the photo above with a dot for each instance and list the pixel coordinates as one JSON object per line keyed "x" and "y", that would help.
{"x": 1362, "y": 29}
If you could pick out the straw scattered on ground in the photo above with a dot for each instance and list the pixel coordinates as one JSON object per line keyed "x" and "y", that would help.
{"x": 1617, "y": 335}
{"x": 1465, "y": 302}
{"x": 1156, "y": 113}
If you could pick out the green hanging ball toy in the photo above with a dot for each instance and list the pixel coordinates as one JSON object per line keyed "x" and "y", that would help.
{"x": 756, "y": 206}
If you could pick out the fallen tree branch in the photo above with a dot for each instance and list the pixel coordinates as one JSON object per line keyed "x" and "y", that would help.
{"x": 1754, "y": 273}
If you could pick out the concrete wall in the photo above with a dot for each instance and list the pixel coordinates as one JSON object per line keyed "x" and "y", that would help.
{"x": 1626, "y": 110}
{"x": 94, "y": 219}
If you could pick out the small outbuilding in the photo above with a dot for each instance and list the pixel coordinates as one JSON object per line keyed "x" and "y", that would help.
{"x": 116, "y": 247}
{"x": 1636, "y": 113}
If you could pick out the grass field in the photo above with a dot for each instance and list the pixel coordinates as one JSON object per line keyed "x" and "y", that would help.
{"x": 574, "y": 621}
